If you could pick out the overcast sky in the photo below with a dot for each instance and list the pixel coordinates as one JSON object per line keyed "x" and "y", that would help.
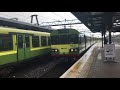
{"x": 48, "y": 17}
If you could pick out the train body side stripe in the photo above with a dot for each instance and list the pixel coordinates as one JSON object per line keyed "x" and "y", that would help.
{"x": 7, "y": 52}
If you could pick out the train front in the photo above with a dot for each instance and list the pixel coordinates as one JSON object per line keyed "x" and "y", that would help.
{"x": 65, "y": 43}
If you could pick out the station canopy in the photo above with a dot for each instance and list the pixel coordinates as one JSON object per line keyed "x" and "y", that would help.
{"x": 100, "y": 21}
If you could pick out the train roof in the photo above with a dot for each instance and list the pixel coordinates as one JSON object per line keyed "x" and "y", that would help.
{"x": 6, "y": 30}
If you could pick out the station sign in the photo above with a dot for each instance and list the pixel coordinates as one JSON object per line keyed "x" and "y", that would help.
{"x": 109, "y": 50}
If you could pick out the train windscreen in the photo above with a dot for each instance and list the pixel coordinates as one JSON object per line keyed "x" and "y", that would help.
{"x": 64, "y": 39}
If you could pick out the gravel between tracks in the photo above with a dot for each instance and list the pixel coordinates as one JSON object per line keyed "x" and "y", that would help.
{"x": 33, "y": 71}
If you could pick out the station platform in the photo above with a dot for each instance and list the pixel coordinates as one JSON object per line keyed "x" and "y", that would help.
{"x": 102, "y": 69}
{"x": 92, "y": 65}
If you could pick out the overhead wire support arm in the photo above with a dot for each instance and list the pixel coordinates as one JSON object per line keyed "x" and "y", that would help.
{"x": 36, "y": 19}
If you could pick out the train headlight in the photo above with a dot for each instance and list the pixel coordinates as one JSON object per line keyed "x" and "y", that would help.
{"x": 56, "y": 50}
{"x": 72, "y": 50}
{"x": 52, "y": 50}
{"x": 75, "y": 49}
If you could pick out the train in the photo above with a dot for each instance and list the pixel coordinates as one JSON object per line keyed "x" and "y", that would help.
{"x": 69, "y": 43}
{"x": 17, "y": 45}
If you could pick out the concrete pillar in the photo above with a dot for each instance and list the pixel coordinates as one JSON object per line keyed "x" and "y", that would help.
{"x": 109, "y": 36}
{"x": 102, "y": 39}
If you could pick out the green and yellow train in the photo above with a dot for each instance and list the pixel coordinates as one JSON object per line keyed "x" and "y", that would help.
{"x": 69, "y": 43}
{"x": 18, "y": 45}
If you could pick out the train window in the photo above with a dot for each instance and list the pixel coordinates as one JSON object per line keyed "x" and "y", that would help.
{"x": 43, "y": 41}
{"x": 6, "y": 42}
{"x": 73, "y": 39}
{"x": 54, "y": 40}
{"x": 49, "y": 43}
{"x": 82, "y": 40}
{"x": 35, "y": 41}
{"x": 27, "y": 40}
{"x": 20, "y": 41}
{"x": 63, "y": 39}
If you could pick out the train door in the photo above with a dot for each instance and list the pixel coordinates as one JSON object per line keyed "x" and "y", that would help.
{"x": 27, "y": 46}
{"x": 23, "y": 42}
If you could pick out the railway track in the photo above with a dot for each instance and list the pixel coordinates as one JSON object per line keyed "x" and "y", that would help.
{"x": 19, "y": 69}
{"x": 35, "y": 70}
{"x": 47, "y": 69}
{"x": 59, "y": 69}
{"x": 40, "y": 71}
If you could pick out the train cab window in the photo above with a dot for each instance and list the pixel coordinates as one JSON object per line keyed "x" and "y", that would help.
{"x": 49, "y": 43}
{"x": 73, "y": 39}
{"x": 6, "y": 42}
{"x": 43, "y": 41}
{"x": 35, "y": 41}
{"x": 54, "y": 40}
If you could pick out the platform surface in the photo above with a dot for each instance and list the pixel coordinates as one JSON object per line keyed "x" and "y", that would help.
{"x": 101, "y": 69}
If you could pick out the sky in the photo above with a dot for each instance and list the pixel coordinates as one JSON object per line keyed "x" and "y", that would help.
{"x": 49, "y": 17}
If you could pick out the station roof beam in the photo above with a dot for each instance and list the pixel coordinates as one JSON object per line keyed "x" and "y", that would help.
{"x": 96, "y": 21}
